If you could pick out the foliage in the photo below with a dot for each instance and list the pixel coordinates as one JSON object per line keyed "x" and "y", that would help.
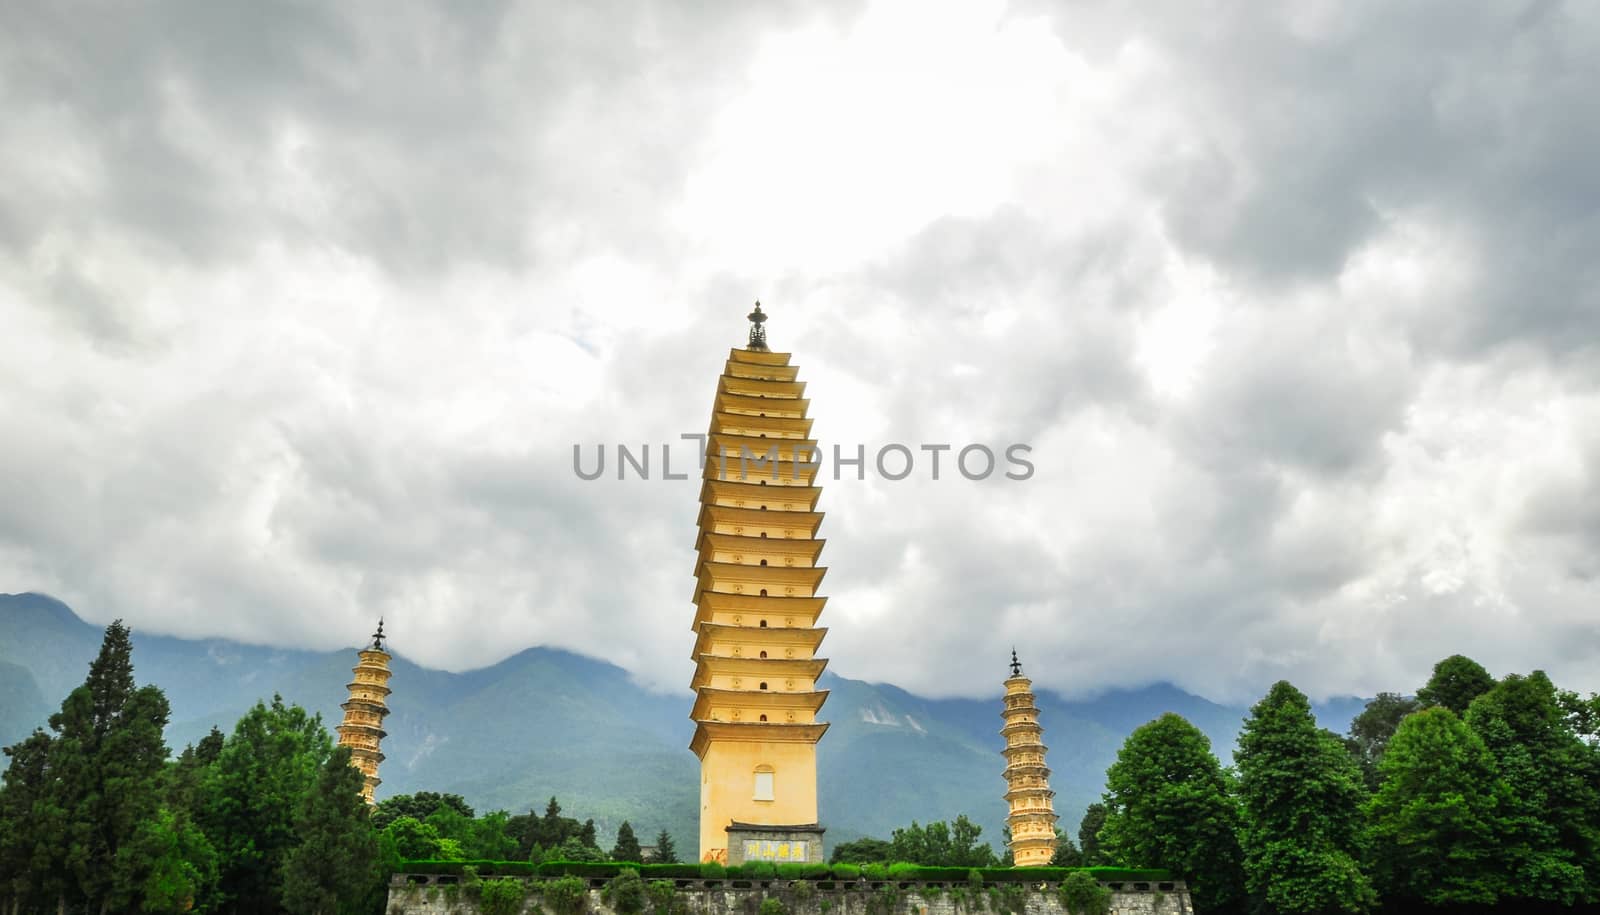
{"x": 78, "y": 799}
{"x": 666, "y": 852}
{"x": 551, "y": 832}
{"x": 1432, "y": 827}
{"x": 1067, "y": 854}
{"x": 1082, "y": 894}
{"x": 1301, "y": 794}
{"x": 502, "y": 896}
{"x": 418, "y": 806}
{"x": 176, "y": 865}
{"x": 884, "y": 901}
{"x": 862, "y": 851}
{"x": 575, "y": 849}
{"x": 942, "y": 845}
{"x": 1167, "y": 803}
{"x": 334, "y": 862}
{"x": 1550, "y": 832}
{"x": 627, "y": 847}
{"x": 1456, "y": 681}
{"x": 566, "y": 895}
{"x": 625, "y": 893}
{"x": 253, "y": 793}
{"x": 772, "y": 905}
{"x": 414, "y": 840}
{"x": 1371, "y": 730}
{"x": 1094, "y": 817}
{"x": 1008, "y": 898}
{"x": 664, "y": 898}
{"x": 756, "y": 870}
{"x": 846, "y": 871}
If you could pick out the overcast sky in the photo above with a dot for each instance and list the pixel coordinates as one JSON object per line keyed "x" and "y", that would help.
{"x": 303, "y": 307}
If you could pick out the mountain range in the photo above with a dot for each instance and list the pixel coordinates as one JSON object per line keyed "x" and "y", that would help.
{"x": 546, "y": 722}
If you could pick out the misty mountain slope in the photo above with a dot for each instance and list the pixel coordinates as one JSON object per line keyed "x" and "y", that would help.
{"x": 545, "y": 722}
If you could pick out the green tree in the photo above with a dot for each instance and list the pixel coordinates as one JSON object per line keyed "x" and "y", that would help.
{"x": 666, "y": 852}
{"x": 106, "y": 775}
{"x": 254, "y": 793}
{"x": 1370, "y": 731}
{"x": 1456, "y": 681}
{"x": 627, "y": 847}
{"x": 1067, "y": 854}
{"x": 32, "y": 829}
{"x": 574, "y": 849}
{"x": 1549, "y": 841}
{"x": 965, "y": 849}
{"x": 1301, "y": 793}
{"x": 414, "y": 840}
{"x": 1094, "y": 817}
{"x": 941, "y": 844}
{"x": 1167, "y": 805}
{"x": 491, "y": 839}
{"x": 1433, "y": 828}
{"x": 418, "y": 806}
{"x": 169, "y": 865}
{"x": 862, "y": 851}
{"x": 334, "y": 864}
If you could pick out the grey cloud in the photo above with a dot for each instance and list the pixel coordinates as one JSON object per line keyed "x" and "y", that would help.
{"x": 271, "y": 464}
{"x": 426, "y": 135}
{"x": 1307, "y": 132}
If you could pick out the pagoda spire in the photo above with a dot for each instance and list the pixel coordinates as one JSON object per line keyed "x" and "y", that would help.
{"x": 362, "y": 728}
{"x": 758, "y": 333}
{"x": 757, "y": 574}
{"x": 1032, "y": 816}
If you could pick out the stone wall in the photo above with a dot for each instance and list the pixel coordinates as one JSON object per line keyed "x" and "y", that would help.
{"x": 436, "y": 895}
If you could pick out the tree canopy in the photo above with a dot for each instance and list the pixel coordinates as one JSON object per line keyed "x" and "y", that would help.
{"x": 1167, "y": 804}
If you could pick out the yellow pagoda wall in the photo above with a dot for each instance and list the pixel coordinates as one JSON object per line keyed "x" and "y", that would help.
{"x": 757, "y": 576}
{"x": 1031, "y": 814}
{"x": 727, "y": 787}
{"x": 364, "y": 711}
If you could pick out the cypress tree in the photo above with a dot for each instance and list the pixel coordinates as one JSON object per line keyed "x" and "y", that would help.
{"x": 665, "y": 852}
{"x": 333, "y": 866}
{"x": 107, "y": 762}
{"x": 30, "y": 837}
{"x": 1094, "y": 817}
{"x": 627, "y": 847}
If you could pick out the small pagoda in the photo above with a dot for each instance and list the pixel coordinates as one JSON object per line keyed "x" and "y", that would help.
{"x": 1032, "y": 818}
{"x": 756, "y": 609}
{"x": 362, "y": 728}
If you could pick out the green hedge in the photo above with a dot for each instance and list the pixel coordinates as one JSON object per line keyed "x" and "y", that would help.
{"x": 765, "y": 870}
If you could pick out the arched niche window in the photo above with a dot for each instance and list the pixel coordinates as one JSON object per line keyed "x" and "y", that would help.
{"x": 763, "y": 654}
{"x": 763, "y": 562}
{"x": 764, "y": 786}
{"x": 763, "y": 622}
{"x": 763, "y": 684}
{"x": 763, "y": 717}
{"x": 763, "y": 535}
{"x": 763, "y": 594}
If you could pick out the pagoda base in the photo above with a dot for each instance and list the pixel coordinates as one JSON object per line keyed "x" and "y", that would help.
{"x": 779, "y": 844}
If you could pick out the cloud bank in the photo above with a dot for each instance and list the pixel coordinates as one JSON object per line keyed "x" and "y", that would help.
{"x": 305, "y": 308}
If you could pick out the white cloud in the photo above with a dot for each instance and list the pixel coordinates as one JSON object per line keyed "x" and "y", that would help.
{"x": 1291, "y": 305}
